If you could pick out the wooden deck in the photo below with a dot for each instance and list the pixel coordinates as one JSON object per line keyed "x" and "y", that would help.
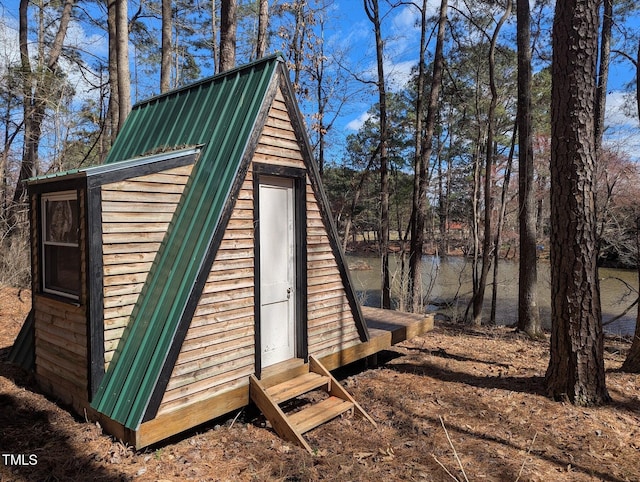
{"x": 386, "y": 328}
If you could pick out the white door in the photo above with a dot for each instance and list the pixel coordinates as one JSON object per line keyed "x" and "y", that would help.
{"x": 277, "y": 270}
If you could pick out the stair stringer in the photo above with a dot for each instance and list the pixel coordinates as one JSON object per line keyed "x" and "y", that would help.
{"x": 337, "y": 390}
{"x": 275, "y": 415}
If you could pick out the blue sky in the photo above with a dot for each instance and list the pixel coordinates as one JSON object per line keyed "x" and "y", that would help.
{"x": 350, "y": 31}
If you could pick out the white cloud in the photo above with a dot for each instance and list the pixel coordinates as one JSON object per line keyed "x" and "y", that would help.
{"x": 358, "y": 122}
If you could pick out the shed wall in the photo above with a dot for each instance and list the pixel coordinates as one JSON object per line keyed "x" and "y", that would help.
{"x": 135, "y": 217}
{"x": 60, "y": 327}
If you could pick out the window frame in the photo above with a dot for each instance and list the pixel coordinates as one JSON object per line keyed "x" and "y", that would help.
{"x": 57, "y": 196}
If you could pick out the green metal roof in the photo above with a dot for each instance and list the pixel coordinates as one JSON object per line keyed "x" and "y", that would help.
{"x": 113, "y": 166}
{"x": 218, "y": 114}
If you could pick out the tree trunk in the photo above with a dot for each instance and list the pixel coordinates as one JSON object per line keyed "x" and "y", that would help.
{"x": 36, "y": 93}
{"x": 528, "y": 310}
{"x": 603, "y": 71}
{"x": 165, "y": 63}
{"x": 371, "y": 8}
{"x": 122, "y": 52}
{"x": 424, "y": 147}
{"x": 228, "y": 26}
{"x": 263, "y": 22}
{"x": 501, "y": 215}
{"x": 576, "y": 365}
{"x": 113, "y": 112}
{"x": 478, "y": 298}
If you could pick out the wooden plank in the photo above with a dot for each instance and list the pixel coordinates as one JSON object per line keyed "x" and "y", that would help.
{"x": 274, "y": 414}
{"x": 228, "y": 285}
{"x": 297, "y": 386}
{"x": 276, "y": 132}
{"x": 145, "y": 186}
{"x": 126, "y": 258}
{"x": 123, "y": 248}
{"x": 230, "y": 254}
{"x": 227, "y": 295}
{"x": 137, "y": 207}
{"x": 207, "y": 335}
{"x": 121, "y": 300}
{"x": 118, "y": 269}
{"x": 331, "y": 345}
{"x": 125, "y": 279}
{"x": 231, "y": 274}
{"x": 196, "y": 397}
{"x": 216, "y": 311}
{"x": 136, "y": 217}
{"x": 190, "y": 415}
{"x": 205, "y": 353}
{"x": 62, "y": 324}
{"x": 132, "y": 237}
{"x": 114, "y": 228}
{"x": 136, "y": 196}
{"x": 114, "y": 333}
{"x": 122, "y": 289}
{"x": 225, "y": 314}
{"x": 309, "y": 418}
{"x": 230, "y": 371}
{"x": 194, "y": 362}
{"x": 62, "y": 337}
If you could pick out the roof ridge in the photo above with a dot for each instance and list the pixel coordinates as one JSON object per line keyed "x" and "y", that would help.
{"x": 212, "y": 78}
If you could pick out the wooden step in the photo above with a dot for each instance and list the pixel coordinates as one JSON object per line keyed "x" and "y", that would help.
{"x": 297, "y": 386}
{"x": 319, "y": 413}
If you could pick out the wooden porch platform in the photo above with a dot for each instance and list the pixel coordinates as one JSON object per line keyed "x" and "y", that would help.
{"x": 386, "y": 328}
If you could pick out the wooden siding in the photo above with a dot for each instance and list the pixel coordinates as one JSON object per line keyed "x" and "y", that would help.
{"x": 218, "y": 352}
{"x": 135, "y": 217}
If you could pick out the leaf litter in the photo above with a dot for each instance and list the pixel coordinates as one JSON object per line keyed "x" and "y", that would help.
{"x": 459, "y": 403}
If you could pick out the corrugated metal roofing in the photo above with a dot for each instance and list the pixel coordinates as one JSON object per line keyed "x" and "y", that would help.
{"x": 113, "y": 166}
{"x": 23, "y": 351}
{"x": 218, "y": 113}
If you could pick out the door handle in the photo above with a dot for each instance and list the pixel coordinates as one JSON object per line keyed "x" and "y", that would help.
{"x": 288, "y": 293}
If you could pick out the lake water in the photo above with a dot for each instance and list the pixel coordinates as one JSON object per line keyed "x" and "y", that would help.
{"x": 444, "y": 279}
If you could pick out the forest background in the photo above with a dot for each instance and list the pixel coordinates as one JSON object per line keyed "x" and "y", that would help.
{"x": 435, "y": 161}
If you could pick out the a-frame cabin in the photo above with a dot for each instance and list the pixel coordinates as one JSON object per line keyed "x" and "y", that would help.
{"x": 198, "y": 267}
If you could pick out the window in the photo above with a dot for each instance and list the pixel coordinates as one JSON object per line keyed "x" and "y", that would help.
{"x": 60, "y": 244}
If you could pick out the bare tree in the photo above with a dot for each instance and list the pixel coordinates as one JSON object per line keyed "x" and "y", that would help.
{"x": 372, "y": 10}
{"x": 263, "y": 22}
{"x": 576, "y": 364}
{"x": 165, "y": 62}
{"x": 487, "y": 245}
{"x": 424, "y": 148}
{"x": 228, "y": 28}
{"x": 122, "y": 55}
{"x": 528, "y": 311}
{"x": 37, "y": 87}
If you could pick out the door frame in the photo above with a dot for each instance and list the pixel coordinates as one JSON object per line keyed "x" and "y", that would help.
{"x": 299, "y": 177}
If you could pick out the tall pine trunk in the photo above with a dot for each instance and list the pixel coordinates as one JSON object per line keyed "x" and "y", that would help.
{"x": 228, "y": 27}
{"x": 576, "y": 365}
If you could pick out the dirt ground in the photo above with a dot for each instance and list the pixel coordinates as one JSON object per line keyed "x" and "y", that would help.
{"x": 456, "y": 404}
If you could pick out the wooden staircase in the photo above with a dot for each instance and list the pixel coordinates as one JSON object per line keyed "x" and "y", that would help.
{"x": 270, "y": 395}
